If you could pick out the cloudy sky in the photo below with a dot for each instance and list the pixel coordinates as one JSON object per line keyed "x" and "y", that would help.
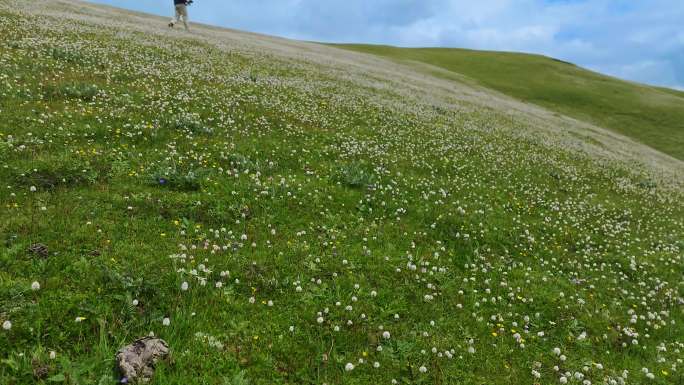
{"x": 641, "y": 40}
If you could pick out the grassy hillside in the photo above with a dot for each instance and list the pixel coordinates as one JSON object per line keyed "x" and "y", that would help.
{"x": 331, "y": 226}
{"x": 651, "y": 115}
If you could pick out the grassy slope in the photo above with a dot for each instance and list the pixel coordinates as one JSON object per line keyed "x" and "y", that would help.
{"x": 355, "y": 210}
{"x": 651, "y": 115}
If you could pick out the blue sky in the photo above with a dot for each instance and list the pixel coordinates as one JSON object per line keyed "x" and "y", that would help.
{"x": 640, "y": 40}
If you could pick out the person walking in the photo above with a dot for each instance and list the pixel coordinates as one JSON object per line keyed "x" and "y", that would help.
{"x": 181, "y": 13}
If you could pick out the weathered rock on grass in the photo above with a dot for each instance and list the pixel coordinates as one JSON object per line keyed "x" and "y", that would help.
{"x": 40, "y": 369}
{"x": 136, "y": 362}
{"x": 39, "y": 250}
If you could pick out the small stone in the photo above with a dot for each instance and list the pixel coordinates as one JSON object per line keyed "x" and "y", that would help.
{"x": 40, "y": 370}
{"x": 39, "y": 249}
{"x": 136, "y": 361}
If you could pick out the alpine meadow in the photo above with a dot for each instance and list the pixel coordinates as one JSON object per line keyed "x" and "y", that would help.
{"x": 285, "y": 212}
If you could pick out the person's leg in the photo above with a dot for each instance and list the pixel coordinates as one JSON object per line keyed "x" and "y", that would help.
{"x": 184, "y": 13}
{"x": 177, "y": 17}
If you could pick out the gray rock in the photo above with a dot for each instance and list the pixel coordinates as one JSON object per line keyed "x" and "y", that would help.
{"x": 136, "y": 361}
{"x": 39, "y": 250}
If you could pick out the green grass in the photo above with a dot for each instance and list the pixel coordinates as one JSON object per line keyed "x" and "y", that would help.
{"x": 651, "y": 115}
{"x": 309, "y": 214}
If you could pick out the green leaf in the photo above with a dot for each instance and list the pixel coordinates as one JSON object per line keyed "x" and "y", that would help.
{"x": 11, "y": 363}
{"x": 105, "y": 380}
{"x": 57, "y": 378}
{"x": 238, "y": 379}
